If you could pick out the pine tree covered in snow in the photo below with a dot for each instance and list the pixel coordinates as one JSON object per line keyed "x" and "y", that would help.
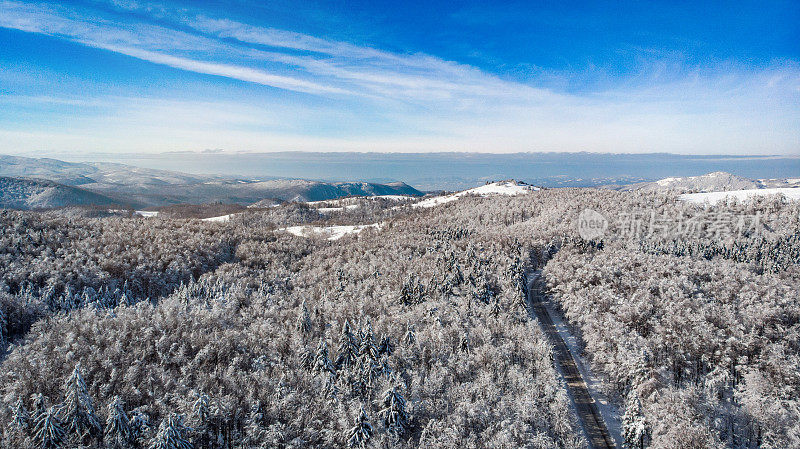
{"x": 78, "y": 410}
{"x": 394, "y": 415}
{"x": 386, "y": 347}
{"x": 172, "y": 434}
{"x": 348, "y": 348}
{"x": 360, "y": 434}
{"x": 118, "y": 433}
{"x": 634, "y": 426}
{"x": 322, "y": 363}
{"x": 304, "y": 320}
{"x": 21, "y": 419}
{"x": 49, "y": 431}
{"x": 3, "y": 330}
{"x": 368, "y": 348}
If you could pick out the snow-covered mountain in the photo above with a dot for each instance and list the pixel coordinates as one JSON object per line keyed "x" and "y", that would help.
{"x": 789, "y": 193}
{"x": 712, "y": 182}
{"x": 303, "y": 190}
{"x": 154, "y": 188}
{"x": 510, "y": 187}
{"x": 17, "y": 193}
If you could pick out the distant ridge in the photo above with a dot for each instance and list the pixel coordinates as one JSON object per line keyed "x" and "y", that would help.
{"x": 156, "y": 188}
{"x": 301, "y": 190}
{"x": 17, "y": 193}
{"x": 711, "y": 182}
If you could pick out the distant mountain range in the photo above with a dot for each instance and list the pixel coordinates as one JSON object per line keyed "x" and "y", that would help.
{"x": 114, "y": 183}
{"x": 457, "y": 171}
{"x": 16, "y": 193}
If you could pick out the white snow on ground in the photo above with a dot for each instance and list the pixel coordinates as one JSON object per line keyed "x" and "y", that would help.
{"x": 715, "y": 197}
{"x": 666, "y": 181}
{"x": 221, "y": 218}
{"x": 393, "y": 197}
{"x": 327, "y": 210}
{"x": 610, "y": 413}
{"x": 331, "y": 232}
{"x": 511, "y": 188}
{"x": 146, "y": 213}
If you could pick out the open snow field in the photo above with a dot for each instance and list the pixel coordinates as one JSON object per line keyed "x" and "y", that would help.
{"x": 511, "y": 188}
{"x": 331, "y": 232}
{"x": 741, "y": 195}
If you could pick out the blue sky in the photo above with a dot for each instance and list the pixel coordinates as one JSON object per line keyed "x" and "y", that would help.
{"x": 138, "y": 76}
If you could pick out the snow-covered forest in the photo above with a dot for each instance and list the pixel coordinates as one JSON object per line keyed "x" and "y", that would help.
{"x": 163, "y": 332}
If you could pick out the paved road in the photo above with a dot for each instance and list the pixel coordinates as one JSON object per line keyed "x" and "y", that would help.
{"x": 592, "y": 422}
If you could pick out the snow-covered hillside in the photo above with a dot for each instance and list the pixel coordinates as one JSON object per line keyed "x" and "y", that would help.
{"x": 511, "y": 188}
{"x": 331, "y": 232}
{"x": 741, "y": 195}
{"x": 712, "y": 182}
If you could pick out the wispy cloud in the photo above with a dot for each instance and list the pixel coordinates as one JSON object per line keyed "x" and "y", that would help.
{"x": 410, "y": 102}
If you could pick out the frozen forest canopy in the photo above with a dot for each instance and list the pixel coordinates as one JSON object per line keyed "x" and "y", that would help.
{"x": 385, "y": 324}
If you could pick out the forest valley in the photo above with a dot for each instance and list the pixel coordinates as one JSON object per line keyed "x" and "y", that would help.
{"x": 170, "y": 333}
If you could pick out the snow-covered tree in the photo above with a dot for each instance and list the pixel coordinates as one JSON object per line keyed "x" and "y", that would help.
{"x": 3, "y": 329}
{"x": 393, "y": 414}
{"x": 304, "y": 320}
{"x": 410, "y": 337}
{"x": 360, "y": 434}
{"x": 21, "y": 419}
{"x": 49, "y": 431}
{"x": 348, "y": 348}
{"x": 172, "y": 434}
{"x": 118, "y": 433}
{"x": 322, "y": 362}
{"x": 634, "y": 425}
{"x": 368, "y": 348}
{"x": 140, "y": 427}
{"x": 78, "y": 411}
{"x": 201, "y": 408}
{"x": 386, "y": 346}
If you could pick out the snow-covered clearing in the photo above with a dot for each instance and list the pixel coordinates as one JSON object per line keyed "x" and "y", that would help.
{"x": 330, "y": 232}
{"x": 327, "y": 210}
{"x": 511, "y": 188}
{"x": 146, "y": 213}
{"x": 715, "y": 197}
{"x": 220, "y": 219}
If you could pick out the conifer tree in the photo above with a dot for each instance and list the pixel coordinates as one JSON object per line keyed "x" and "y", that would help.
{"x": 393, "y": 414}
{"x": 410, "y": 336}
{"x": 304, "y": 320}
{"x": 368, "y": 347}
{"x": 386, "y": 346}
{"x": 348, "y": 348}
{"x": 39, "y": 404}
{"x": 48, "y": 430}
{"x": 118, "y": 433}
{"x": 360, "y": 434}
{"x": 21, "y": 419}
{"x": 3, "y": 330}
{"x": 200, "y": 408}
{"x": 78, "y": 410}
{"x": 172, "y": 434}
{"x": 634, "y": 426}
{"x": 321, "y": 361}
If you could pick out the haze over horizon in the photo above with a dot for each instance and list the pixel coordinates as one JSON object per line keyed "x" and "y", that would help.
{"x": 126, "y": 76}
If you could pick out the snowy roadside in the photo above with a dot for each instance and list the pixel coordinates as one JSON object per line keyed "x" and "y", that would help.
{"x": 610, "y": 413}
